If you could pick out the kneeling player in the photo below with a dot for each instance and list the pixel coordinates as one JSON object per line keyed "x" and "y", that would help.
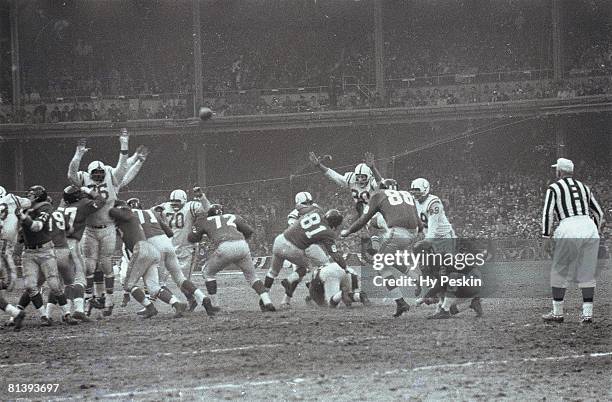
{"x": 227, "y": 234}
{"x": 331, "y": 284}
{"x": 450, "y": 296}
{"x": 143, "y": 263}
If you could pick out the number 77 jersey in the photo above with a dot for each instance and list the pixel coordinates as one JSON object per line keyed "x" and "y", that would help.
{"x": 310, "y": 229}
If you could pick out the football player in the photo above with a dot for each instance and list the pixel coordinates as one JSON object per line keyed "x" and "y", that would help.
{"x": 9, "y": 230}
{"x": 436, "y": 226}
{"x": 181, "y": 216}
{"x": 99, "y": 237}
{"x": 331, "y": 284}
{"x": 17, "y": 315}
{"x": 228, "y": 234}
{"x": 77, "y": 204}
{"x": 312, "y": 228}
{"x": 143, "y": 261}
{"x": 38, "y": 257}
{"x": 134, "y": 164}
{"x": 159, "y": 233}
{"x": 400, "y": 214}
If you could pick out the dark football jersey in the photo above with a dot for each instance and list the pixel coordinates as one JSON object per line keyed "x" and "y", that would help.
{"x": 220, "y": 228}
{"x": 129, "y": 227}
{"x": 149, "y": 222}
{"x": 39, "y": 212}
{"x": 76, "y": 215}
{"x": 310, "y": 229}
{"x": 397, "y": 207}
{"x": 58, "y": 227}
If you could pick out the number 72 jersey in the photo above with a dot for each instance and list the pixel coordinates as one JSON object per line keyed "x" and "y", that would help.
{"x": 310, "y": 229}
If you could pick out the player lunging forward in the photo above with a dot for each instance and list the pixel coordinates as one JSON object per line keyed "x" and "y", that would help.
{"x": 227, "y": 234}
{"x": 400, "y": 214}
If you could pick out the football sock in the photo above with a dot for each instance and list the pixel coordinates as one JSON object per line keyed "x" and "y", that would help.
{"x": 265, "y": 298}
{"x": 557, "y": 307}
{"x": 12, "y": 310}
{"x": 587, "y": 309}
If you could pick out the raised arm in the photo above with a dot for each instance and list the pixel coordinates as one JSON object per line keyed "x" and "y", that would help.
{"x": 330, "y": 173}
{"x": 121, "y": 169}
{"x": 369, "y": 158}
{"x": 73, "y": 167}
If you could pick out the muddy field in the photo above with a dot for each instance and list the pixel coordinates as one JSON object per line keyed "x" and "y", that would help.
{"x": 307, "y": 353}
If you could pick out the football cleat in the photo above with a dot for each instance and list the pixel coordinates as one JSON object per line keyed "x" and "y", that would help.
{"x": 18, "y": 321}
{"x": 45, "y": 321}
{"x": 126, "y": 299}
{"x": 585, "y": 320}
{"x": 440, "y": 315}
{"x": 347, "y": 299}
{"x": 192, "y": 304}
{"x": 401, "y": 308}
{"x": 365, "y": 300}
{"x": 268, "y": 308}
{"x": 108, "y": 311}
{"x": 550, "y": 317}
{"x": 453, "y": 310}
{"x": 97, "y": 302}
{"x": 288, "y": 287}
{"x": 142, "y": 311}
{"x": 207, "y": 304}
{"x": 149, "y": 311}
{"x": 10, "y": 322}
{"x": 80, "y": 316}
{"x": 476, "y": 306}
{"x": 67, "y": 318}
{"x": 179, "y": 309}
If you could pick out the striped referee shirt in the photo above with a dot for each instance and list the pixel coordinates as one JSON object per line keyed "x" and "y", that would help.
{"x": 569, "y": 197}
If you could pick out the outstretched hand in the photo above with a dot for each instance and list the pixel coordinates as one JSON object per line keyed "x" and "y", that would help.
{"x": 314, "y": 159}
{"x": 81, "y": 148}
{"x": 369, "y": 159}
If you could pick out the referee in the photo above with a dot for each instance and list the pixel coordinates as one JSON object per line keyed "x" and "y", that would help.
{"x": 576, "y": 239}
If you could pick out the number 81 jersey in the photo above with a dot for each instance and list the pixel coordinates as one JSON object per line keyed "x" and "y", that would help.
{"x": 182, "y": 221}
{"x": 310, "y": 229}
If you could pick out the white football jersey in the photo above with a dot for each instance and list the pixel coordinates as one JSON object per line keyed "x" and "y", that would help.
{"x": 9, "y": 222}
{"x": 435, "y": 222}
{"x": 182, "y": 221}
{"x": 349, "y": 180}
{"x": 108, "y": 189}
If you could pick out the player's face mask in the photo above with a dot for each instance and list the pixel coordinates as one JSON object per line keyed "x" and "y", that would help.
{"x": 176, "y": 204}
{"x": 361, "y": 179}
{"x": 97, "y": 175}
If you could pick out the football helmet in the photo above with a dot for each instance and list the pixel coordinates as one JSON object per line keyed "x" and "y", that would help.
{"x": 363, "y": 173}
{"x": 178, "y": 198}
{"x": 420, "y": 188}
{"x": 97, "y": 171}
{"x": 2, "y": 191}
{"x": 333, "y": 218}
{"x": 121, "y": 204}
{"x": 37, "y": 194}
{"x": 72, "y": 194}
{"x": 134, "y": 203}
{"x": 388, "y": 184}
{"x": 215, "y": 209}
{"x": 303, "y": 198}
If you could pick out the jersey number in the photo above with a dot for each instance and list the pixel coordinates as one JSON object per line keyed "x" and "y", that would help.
{"x": 101, "y": 189}
{"x": 310, "y": 220}
{"x": 399, "y": 197}
{"x": 217, "y": 218}
{"x": 364, "y": 196}
{"x": 177, "y": 220}
{"x": 58, "y": 218}
{"x": 141, "y": 216}
{"x": 70, "y": 214}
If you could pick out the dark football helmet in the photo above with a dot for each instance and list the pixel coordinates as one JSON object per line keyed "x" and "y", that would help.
{"x": 388, "y": 184}
{"x": 215, "y": 209}
{"x": 333, "y": 218}
{"x": 37, "y": 194}
{"x": 72, "y": 194}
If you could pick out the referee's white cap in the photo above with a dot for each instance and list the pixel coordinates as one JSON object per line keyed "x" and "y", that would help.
{"x": 564, "y": 165}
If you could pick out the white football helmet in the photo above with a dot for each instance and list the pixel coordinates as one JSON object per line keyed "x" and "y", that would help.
{"x": 303, "y": 198}
{"x": 363, "y": 173}
{"x": 419, "y": 187}
{"x": 178, "y": 198}
{"x": 97, "y": 171}
{"x": 2, "y": 191}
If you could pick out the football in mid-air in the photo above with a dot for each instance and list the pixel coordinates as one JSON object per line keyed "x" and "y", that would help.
{"x": 205, "y": 113}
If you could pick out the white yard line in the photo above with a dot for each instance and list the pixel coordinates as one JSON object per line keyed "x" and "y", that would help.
{"x": 180, "y": 391}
